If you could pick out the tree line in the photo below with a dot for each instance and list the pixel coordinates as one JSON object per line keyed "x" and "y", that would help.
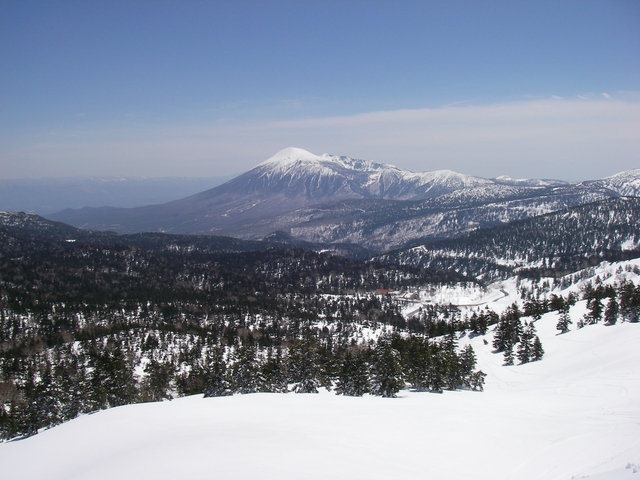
{"x": 59, "y": 383}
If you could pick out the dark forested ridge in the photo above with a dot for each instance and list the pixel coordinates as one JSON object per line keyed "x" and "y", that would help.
{"x": 35, "y": 226}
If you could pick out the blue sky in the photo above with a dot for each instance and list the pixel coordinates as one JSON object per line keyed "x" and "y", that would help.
{"x": 153, "y": 88}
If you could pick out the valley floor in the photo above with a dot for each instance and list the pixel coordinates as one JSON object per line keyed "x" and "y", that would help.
{"x": 575, "y": 414}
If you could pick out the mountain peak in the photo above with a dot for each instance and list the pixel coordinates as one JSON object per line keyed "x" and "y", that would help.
{"x": 291, "y": 155}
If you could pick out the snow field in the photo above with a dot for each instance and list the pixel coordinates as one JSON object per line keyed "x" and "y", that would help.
{"x": 575, "y": 414}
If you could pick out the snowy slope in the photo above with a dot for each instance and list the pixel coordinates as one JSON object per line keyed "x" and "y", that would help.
{"x": 624, "y": 183}
{"x": 575, "y": 414}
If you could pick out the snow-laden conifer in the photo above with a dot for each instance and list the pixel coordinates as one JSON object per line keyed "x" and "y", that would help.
{"x": 216, "y": 382}
{"x": 353, "y": 374}
{"x": 386, "y": 371}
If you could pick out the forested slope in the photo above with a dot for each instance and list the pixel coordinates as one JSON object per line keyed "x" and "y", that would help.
{"x": 550, "y": 244}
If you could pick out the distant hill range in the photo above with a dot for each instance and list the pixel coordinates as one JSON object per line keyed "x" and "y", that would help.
{"x": 545, "y": 245}
{"x": 19, "y": 230}
{"x": 339, "y": 200}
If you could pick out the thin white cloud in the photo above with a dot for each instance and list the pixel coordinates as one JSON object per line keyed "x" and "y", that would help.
{"x": 606, "y": 95}
{"x": 567, "y": 139}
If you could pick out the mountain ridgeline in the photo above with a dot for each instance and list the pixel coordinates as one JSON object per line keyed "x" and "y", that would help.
{"x": 332, "y": 199}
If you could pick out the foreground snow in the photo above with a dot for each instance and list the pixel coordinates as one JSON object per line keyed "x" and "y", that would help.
{"x": 574, "y": 414}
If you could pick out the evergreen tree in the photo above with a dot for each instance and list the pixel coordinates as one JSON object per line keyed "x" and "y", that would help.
{"x": 476, "y": 380}
{"x": 353, "y": 376}
{"x": 536, "y": 308}
{"x": 46, "y": 401}
{"x": 453, "y": 375}
{"x": 437, "y": 368}
{"x": 246, "y": 372}
{"x": 467, "y": 364}
{"x": 71, "y": 376}
{"x": 416, "y": 362}
{"x": 594, "y": 297}
{"x": 525, "y": 348}
{"x": 25, "y": 417}
{"x": 611, "y": 312}
{"x": 111, "y": 381}
{"x": 629, "y": 301}
{"x": 386, "y": 371}
{"x": 565, "y": 320}
{"x": 157, "y": 383}
{"x": 20, "y": 420}
{"x": 538, "y": 351}
{"x": 508, "y": 354}
{"x": 472, "y": 379}
{"x": 273, "y": 372}
{"x": 303, "y": 368}
{"x": 4, "y": 422}
{"x": 508, "y": 330}
{"x": 557, "y": 303}
{"x": 216, "y": 383}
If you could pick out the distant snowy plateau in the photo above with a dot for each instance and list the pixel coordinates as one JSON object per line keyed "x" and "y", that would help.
{"x": 332, "y": 199}
{"x": 574, "y": 414}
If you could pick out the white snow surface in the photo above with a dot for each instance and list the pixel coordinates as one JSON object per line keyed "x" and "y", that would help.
{"x": 575, "y": 414}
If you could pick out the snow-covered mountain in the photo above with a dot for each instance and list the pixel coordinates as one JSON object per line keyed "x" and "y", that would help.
{"x": 336, "y": 199}
{"x": 290, "y": 180}
{"x": 526, "y": 182}
{"x": 297, "y": 171}
{"x": 387, "y": 225}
